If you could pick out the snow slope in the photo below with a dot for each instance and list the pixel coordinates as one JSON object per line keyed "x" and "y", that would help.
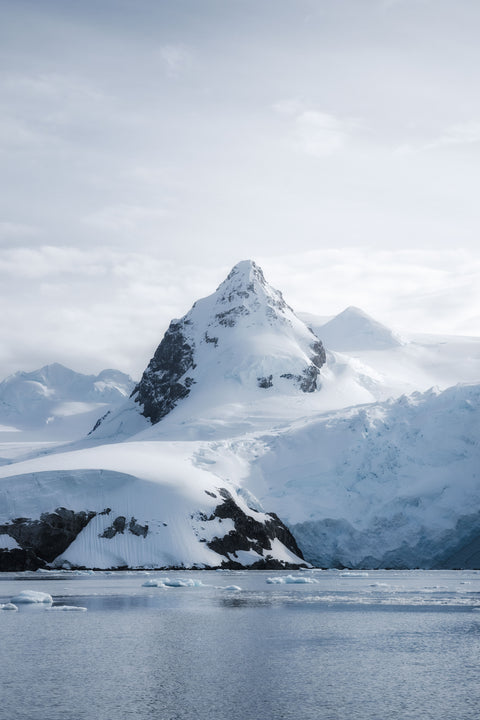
{"x": 148, "y": 505}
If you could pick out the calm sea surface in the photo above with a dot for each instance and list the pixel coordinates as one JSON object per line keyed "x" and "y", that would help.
{"x": 365, "y": 646}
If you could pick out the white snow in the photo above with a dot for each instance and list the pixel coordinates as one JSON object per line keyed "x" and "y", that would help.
{"x": 8, "y": 543}
{"x": 8, "y": 606}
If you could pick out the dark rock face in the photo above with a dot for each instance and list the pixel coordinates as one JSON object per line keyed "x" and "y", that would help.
{"x": 41, "y": 541}
{"x": 307, "y": 382}
{"x": 251, "y": 534}
{"x": 163, "y": 383}
{"x": 119, "y": 525}
{"x": 265, "y": 382}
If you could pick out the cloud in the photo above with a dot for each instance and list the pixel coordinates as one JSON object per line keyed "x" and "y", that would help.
{"x": 125, "y": 217}
{"x": 95, "y": 308}
{"x": 467, "y": 133}
{"x": 430, "y": 291}
{"x": 15, "y": 231}
{"x": 176, "y": 58}
{"x": 314, "y": 132}
{"x": 456, "y": 135}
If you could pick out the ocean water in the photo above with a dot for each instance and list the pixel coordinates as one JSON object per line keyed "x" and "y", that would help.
{"x": 380, "y": 645}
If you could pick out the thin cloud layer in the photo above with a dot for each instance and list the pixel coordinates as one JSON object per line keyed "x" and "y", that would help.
{"x": 93, "y": 309}
{"x": 146, "y": 147}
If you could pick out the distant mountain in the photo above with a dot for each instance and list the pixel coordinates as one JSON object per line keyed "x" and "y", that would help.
{"x": 59, "y": 400}
{"x": 353, "y": 329}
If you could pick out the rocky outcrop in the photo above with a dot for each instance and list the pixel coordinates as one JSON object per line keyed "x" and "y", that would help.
{"x": 41, "y": 541}
{"x": 251, "y": 534}
{"x": 164, "y": 382}
{"x": 119, "y": 526}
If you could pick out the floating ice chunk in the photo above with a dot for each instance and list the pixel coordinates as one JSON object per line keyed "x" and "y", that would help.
{"x": 68, "y": 608}
{"x": 32, "y": 596}
{"x": 353, "y": 574}
{"x": 234, "y": 588}
{"x": 153, "y": 583}
{"x": 291, "y": 580}
{"x": 190, "y": 582}
{"x": 299, "y": 580}
{"x": 8, "y": 606}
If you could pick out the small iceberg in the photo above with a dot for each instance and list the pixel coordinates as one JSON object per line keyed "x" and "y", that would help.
{"x": 8, "y": 606}
{"x": 233, "y": 588}
{"x": 183, "y": 583}
{"x": 67, "y": 608}
{"x": 32, "y": 596}
{"x": 291, "y": 580}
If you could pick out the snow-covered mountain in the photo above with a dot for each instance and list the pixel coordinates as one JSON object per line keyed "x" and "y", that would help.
{"x": 57, "y": 402}
{"x": 242, "y": 412}
{"x": 242, "y": 344}
{"x": 353, "y": 329}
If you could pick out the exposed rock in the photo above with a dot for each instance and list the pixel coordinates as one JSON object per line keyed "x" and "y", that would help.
{"x": 41, "y": 541}
{"x": 251, "y": 534}
{"x": 117, "y": 526}
{"x": 163, "y": 383}
{"x": 136, "y": 529}
{"x": 265, "y": 382}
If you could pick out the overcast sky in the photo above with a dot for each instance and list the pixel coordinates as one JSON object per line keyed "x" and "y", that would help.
{"x": 147, "y": 146}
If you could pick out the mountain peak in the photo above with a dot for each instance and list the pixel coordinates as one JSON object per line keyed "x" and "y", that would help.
{"x": 231, "y": 346}
{"x": 354, "y": 329}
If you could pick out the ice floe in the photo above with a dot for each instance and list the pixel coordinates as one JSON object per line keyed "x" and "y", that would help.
{"x": 68, "y": 608}
{"x": 32, "y": 596}
{"x": 291, "y": 580}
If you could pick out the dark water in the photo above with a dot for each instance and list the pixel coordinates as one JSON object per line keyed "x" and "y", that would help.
{"x": 365, "y": 646}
